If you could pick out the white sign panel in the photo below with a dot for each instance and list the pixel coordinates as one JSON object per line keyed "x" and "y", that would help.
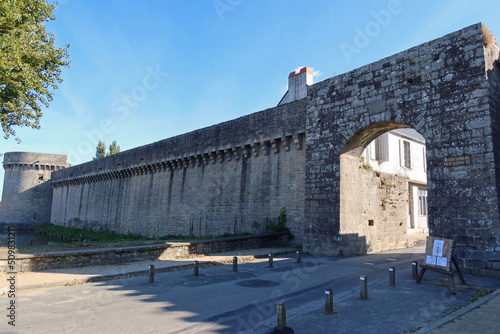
{"x": 430, "y": 259}
{"x": 442, "y": 261}
{"x": 437, "y": 250}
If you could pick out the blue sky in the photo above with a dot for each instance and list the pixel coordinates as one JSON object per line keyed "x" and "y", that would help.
{"x": 142, "y": 71}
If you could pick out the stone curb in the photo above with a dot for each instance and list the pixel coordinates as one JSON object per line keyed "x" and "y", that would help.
{"x": 102, "y": 278}
{"x": 265, "y": 256}
{"x": 459, "y": 313}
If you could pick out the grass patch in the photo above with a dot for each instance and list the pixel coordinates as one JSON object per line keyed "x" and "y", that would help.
{"x": 76, "y": 234}
{"x": 68, "y": 246}
{"x": 174, "y": 237}
{"x": 480, "y": 294}
{"x": 271, "y": 227}
{"x": 66, "y": 238}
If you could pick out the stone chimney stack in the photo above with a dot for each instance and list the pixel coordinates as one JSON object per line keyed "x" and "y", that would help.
{"x": 297, "y": 85}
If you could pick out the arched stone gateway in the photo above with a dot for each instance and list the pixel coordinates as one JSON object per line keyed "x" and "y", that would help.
{"x": 303, "y": 156}
{"x": 447, "y": 90}
{"x": 373, "y": 205}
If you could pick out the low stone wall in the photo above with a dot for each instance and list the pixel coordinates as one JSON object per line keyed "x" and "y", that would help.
{"x": 110, "y": 256}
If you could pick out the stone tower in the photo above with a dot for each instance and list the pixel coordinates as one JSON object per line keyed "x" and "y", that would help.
{"x": 27, "y": 196}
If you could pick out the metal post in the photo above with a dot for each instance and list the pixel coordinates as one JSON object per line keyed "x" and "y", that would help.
{"x": 270, "y": 260}
{"x": 299, "y": 257}
{"x": 151, "y": 278}
{"x": 281, "y": 322}
{"x": 235, "y": 263}
{"x": 195, "y": 268}
{"x": 414, "y": 267}
{"x": 392, "y": 276}
{"x": 363, "y": 288}
{"x": 328, "y": 301}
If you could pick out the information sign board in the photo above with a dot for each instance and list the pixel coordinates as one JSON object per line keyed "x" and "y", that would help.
{"x": 438, "y": 253}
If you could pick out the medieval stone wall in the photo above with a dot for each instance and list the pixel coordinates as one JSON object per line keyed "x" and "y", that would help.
{"x": 228, "y": 178}
{"x": 439, "y": 88}
{"x": 304, "y": 156}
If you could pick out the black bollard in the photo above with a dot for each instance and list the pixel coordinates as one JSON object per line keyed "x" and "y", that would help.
{"x": 329, "y": 302}
{"x": 270, "y": 260}
{"x": 363, "y": 287}
{"x": 151, "y": 278}
{"x": 299, "y": 257}
{"x": 414, "y": 267}
{"x": 392, "y": 276}
{"x": 195, "y": 268}
{"x": 281, "y": 321}
{"x": 235, "y": 263}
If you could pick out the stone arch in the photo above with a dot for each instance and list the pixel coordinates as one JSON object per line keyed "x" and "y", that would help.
{"x": 356, "y": 144}
{"x": 373, "y": 210}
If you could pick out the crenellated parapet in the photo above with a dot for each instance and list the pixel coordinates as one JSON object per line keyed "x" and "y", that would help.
{"x": 25, "y": 166}
{"x": 34, "y": 161}
{"x": 263, "y": 133}
{"x": 267, "y": 146}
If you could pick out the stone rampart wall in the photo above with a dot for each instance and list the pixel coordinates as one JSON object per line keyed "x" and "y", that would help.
{"x": 228, "y": 178}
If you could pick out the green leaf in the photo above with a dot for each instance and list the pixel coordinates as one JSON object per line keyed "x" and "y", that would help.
{"x": 30, "y": 64}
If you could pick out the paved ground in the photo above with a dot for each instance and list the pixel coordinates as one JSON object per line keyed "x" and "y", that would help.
{"x": 72, "y": 276}
{"x": 222, "y": 301}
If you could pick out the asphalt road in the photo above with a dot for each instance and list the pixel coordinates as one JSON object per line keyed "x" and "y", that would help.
{"x": 222, "y": 301}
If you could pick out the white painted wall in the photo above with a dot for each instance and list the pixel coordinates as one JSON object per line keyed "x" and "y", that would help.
{"x": 387, "y": 154}
{"x": 392, "y": 152}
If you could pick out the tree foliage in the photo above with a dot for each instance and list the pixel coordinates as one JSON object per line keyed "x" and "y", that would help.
{"x": 30, "y": 63}
{"x": 100, "y": 151}
{"x": 113, "y": 148}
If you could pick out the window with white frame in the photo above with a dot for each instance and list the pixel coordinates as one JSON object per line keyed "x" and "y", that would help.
{"x": 378, "y": 149}
{"x": 422, "y": 202}
{"x": 410, "y": 201}
{"x": 406, "y": 154}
